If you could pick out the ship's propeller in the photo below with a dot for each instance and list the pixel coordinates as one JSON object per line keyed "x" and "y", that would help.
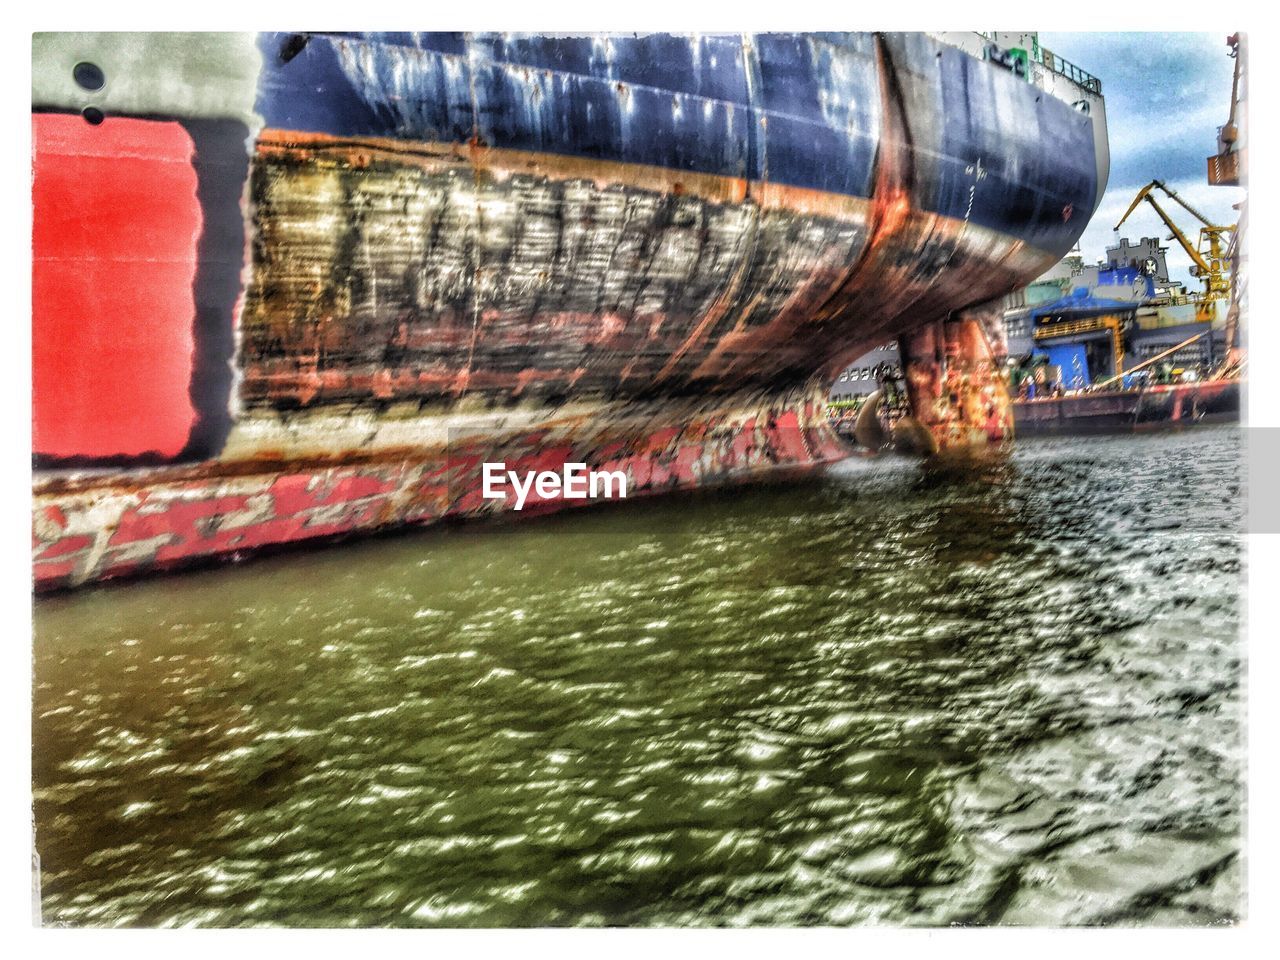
{"x": 867, "y": 429}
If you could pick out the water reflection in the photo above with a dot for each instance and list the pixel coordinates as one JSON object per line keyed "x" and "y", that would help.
{"x": 1000, "y": 693}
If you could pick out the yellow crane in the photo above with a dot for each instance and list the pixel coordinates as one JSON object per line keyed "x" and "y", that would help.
{"x": 1209, "y": 258}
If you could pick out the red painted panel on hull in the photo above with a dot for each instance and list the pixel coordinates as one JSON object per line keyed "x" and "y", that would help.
{"x": 116, "y": 223}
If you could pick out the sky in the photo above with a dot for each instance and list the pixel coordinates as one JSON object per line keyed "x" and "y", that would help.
{"x": 1166, "y": 96}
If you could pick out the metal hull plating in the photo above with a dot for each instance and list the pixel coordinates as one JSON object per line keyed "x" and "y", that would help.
{"x": 647, "y": 251}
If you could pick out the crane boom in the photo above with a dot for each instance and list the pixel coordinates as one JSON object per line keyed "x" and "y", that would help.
{"x": 1145, "y": 194}
{"x": 1133, "y": 206}
{"x": 1211, "y": 235}
{"x": 1188, "y": 207}
{"x": 1146, "y": 191}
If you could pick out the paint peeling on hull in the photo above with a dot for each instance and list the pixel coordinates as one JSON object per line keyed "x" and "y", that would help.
{"x": 435, "y": 283}
{"x": 109, "y": 526}
{"x": 387, "y": 279}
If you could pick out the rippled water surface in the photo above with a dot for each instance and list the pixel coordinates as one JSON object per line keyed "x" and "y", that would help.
{"x": 1004, "y": 693}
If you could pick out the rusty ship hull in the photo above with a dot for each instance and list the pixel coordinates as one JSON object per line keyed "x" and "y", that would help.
{"x": 297, "y": 286}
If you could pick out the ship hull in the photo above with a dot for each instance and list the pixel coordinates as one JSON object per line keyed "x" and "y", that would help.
{"x": 313, "y": 260}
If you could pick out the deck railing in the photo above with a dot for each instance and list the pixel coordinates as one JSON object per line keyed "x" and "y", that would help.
{"x": 1069, "y": 70}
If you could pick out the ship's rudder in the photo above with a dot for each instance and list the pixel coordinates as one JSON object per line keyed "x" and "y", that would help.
{"x": 955, "y": 385}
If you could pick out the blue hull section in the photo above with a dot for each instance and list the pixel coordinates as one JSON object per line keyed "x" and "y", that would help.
{"x": 806, "y": 111}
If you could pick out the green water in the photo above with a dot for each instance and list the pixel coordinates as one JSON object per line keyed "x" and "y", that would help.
{"x": 1003, "y": 693}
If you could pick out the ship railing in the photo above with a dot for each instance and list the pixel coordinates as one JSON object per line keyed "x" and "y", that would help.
{"x": 1066, "y": 68}
{"x": 1179, "y": 300}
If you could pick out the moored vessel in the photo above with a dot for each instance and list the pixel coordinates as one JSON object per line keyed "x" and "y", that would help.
{"x": 296, "y": 286}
